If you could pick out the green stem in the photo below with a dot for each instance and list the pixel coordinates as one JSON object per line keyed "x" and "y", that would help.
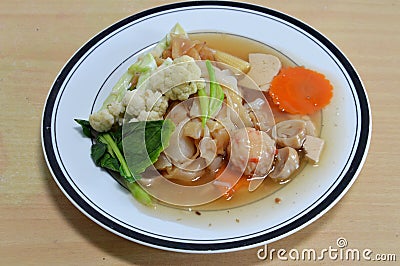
{"x": 110, "y": 141}
{"x": 118, "y": 91}
{"x": 139, "y": 194}
{"x": 203, "y": 99}
{"x": 212, "y": 77}
{"x": 216, "y": 92}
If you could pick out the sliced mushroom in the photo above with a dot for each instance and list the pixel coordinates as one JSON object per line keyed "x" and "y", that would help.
{"x": 313, "y": 147}
{"x": 162, "y": 163}
{"x": 264, "y": 68}
{"x": 290, "y": 133}
{"x": 260, "y": 114}
{"x": 287, "y": 161}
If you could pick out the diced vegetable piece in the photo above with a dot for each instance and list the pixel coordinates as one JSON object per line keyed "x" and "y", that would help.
{"x": 176, "y": 30}
{"x": 264, "y": 67}
{"x": 313, "y": 147}
{"x": 310, "y": 128}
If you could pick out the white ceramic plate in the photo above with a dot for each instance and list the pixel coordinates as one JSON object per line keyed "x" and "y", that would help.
{"x": 88, "y": 76}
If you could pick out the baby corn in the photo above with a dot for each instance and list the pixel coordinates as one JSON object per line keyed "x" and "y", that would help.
{"x": 232, "y": 61}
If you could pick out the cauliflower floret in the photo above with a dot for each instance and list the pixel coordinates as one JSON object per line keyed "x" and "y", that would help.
{"x": 183, "y": 91}
{"x": 173, "y": 82}
{"x": 144, "y": 105}
{"x": 115, "y": 109}
{"x": 179, "y": 80}
{"x": 149, "y": 115}
{"x": 134, "y": 103}
{"x": 190, "y": 65}
{"x": 102, "y": 121}
{"x": 156, "y": 102}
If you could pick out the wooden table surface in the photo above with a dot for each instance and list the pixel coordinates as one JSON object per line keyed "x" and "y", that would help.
{"x": 38, "y": 224}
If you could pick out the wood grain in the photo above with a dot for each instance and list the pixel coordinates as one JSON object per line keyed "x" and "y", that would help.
{"x": 39, "y": 226}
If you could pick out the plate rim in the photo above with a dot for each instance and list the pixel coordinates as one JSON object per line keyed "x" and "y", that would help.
{"x": 306, "y": 219}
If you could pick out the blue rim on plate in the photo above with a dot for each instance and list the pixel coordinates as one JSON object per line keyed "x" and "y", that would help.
{"x": 349, "y": 177}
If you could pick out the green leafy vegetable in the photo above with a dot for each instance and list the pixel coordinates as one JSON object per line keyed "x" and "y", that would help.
{"x": 109, "y": 162}
{"x": 114, "y": 151}
{"x": 107, "y": 151}
{"x": 146, "y": 140}
{"x": 86, "y": 128}
{"x": 97, "y": 151}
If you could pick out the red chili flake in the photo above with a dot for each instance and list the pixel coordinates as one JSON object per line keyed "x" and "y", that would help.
{"x": 254, "y": 160}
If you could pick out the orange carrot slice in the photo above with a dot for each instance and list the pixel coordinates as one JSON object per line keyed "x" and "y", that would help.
{"x": 298, "y": 90}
